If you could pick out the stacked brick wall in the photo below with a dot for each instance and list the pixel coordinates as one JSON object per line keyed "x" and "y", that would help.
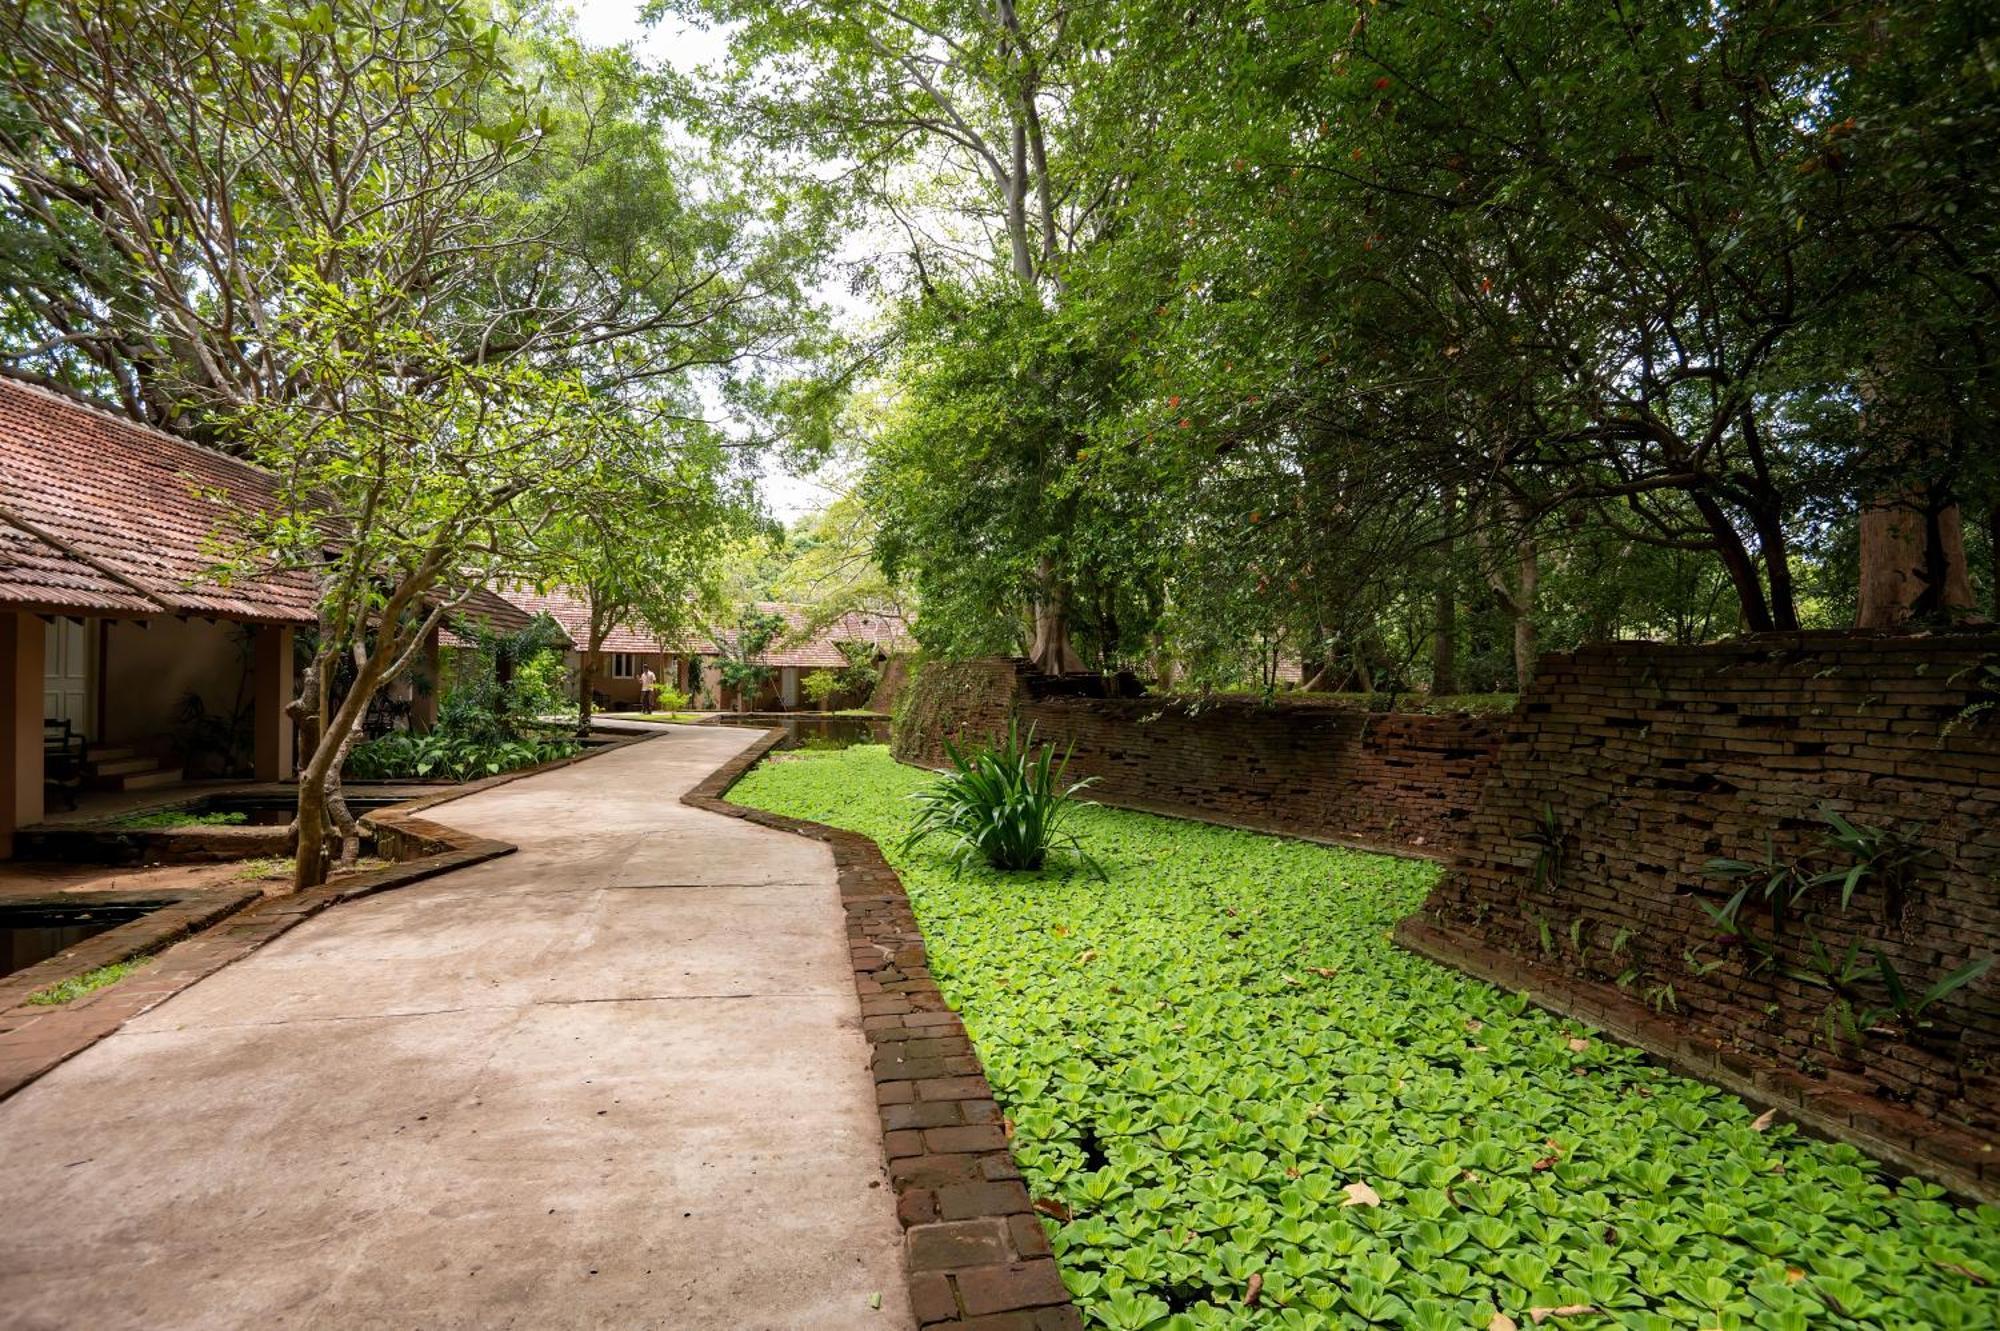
{"x": 1585, "y": 867}
{"x": 1316, "y": 769}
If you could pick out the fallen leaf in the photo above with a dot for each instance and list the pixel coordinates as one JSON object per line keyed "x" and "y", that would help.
{"x": 1053, "y": 1209}
{"x": 1475, "y": 1026}
{"x": 1540, "y": 1315}
{"x": 1965, "y": 1271}
{"x": 1577, "y": 1046}
{"x": 1360, "y": 1194}
{"x": 1477, "y": 1049}
{"x": 1764, "y": 1120}
{"x": 1292, "y": 979}
{"x": 1502, "y": 1322}
{"x": 1007, "y": 1124}
{"x": 1324, "y": 972}
{"x": 1060, "y": 931}
{"x": 1254, "y": 1290}
{"x": 1085, "y": 957}
{"x": 1546, "y": 1162}
{"x": 1793, "y": 1275}
{"x": 875, "y": 1299}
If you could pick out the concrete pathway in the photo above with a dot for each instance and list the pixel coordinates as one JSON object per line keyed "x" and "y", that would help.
{"x": 615, "y": 1080}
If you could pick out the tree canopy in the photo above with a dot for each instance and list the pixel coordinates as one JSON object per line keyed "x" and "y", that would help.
{"x": 1410, "y": 337}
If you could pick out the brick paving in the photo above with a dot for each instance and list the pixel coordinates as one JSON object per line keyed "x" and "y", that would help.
{"x": 975, "y": 1254}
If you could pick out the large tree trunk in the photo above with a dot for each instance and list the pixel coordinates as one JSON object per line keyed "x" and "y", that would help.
{"x": 1517, "y": 599}
{"x": 1527, "y": 581}
{"x": 586, "y": 671}
{"x": 1444, "y": 609}
{"x": 1052, "y": 652}
{"x": 1913, "y": 565}
{"x": 1993, "y": 554}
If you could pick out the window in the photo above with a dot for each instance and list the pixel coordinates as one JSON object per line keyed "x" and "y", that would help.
{"x": 624, "y": 665}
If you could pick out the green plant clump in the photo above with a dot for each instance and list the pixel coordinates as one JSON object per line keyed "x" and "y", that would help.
{"x": 1221, "y": 1074}
{"x": 1004, "y": 805}
{"x": 165, "y": 818}
{"x": 76, "y": 986}
{"x": 402, "y": 755}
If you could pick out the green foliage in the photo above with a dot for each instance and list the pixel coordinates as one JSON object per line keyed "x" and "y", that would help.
{"x": 739, "y": 661}
{"x": 1202, "y": 1056}
{"x": 478, "y": 705}
{"x": 76, "y": 986}
{"x": 166, "y": 818}
{"x": 1810, "y": 893}
{"x": 819, "y": 686}
{"x": 442, "y": 753}
{"x": 1004, "y": 805}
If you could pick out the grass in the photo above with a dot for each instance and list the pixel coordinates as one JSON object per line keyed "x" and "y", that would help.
{"x": 76, "y": 986}
{"x": 164, "y": 818}
{"x": 1218, "y": 1068}
{"x": 263, "y": 866}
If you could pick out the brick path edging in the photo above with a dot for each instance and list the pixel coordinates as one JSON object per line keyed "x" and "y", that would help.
{"x": 973, "y": 1248}
{"x": 1904, "y": 1139}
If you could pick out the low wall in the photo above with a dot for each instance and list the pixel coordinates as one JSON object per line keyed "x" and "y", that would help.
{"x": 1585, "y": 870}
{"x": 1313, "y": 769}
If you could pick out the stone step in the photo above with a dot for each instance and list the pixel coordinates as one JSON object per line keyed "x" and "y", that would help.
{"x": 107, "y": 753}
{"x": 123, "y": 766}
{"x": 159, "y": 776}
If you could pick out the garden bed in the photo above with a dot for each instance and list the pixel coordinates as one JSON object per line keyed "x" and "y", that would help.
{"x": 1237, "y": 1103}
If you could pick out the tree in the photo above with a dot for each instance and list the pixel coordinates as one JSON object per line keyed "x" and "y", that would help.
{"x": 942, "y": 119}
{"x": 650, "y": 558}
{"x": 820, "y": 686}
{"x": 365, "y": 247}
{"x": 740, "y": 654}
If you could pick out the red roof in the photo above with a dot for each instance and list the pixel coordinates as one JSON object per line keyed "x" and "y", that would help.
{"x": 491, "y": 611}
{"x": 102, "y": 515}
{"x": 572, "y": 612}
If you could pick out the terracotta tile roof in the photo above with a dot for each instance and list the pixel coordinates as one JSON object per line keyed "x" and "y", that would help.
{"x": 103, "y": 515}
{"x": 821, "y": 650}
{"x": 573, "y": 613}
{"x": 494, "y": 612}
{"x": 36, "y": 575}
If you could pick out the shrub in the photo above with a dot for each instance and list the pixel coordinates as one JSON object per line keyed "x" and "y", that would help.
{"x": 667, "y": 699}
{"x": 820, "y": 686}
{"x": 1004, "y": 805}
{"x": 401, "y": 755}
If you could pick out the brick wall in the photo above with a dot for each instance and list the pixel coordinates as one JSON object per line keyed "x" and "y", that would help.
{"x": 1395, "y": 780}
{"x": 1631, "y": 766}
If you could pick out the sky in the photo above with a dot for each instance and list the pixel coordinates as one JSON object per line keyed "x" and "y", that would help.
{"x": 612, "y": 22}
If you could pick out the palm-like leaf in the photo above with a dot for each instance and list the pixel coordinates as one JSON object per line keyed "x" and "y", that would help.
{"x": 1005, "y": 805}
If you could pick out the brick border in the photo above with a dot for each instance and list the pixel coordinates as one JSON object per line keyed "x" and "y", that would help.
{"x": 1906, "y": 1140}
{"x": 974, "y": 1251}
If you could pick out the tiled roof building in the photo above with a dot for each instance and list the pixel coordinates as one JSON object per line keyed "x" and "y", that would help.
{"x": 100, "y": 514}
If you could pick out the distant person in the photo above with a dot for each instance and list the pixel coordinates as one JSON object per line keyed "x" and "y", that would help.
{"x": 648, "y": 681}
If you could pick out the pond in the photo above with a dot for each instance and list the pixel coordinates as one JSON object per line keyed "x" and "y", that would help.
{"x": 277, "y": 810}
{"x": 815, "y": 730}
{"x": 34, "y": 931}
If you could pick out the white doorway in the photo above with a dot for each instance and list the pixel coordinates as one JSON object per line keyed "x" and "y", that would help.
{"x": 66, "y": 675}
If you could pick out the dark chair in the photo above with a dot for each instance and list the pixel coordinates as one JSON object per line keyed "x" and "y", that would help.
{"x": 63, "y": 760}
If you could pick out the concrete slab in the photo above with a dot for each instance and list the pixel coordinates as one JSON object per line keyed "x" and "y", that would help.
{"x": 616, "y": 1080}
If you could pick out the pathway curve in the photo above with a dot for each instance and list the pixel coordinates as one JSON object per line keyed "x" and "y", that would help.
{"x": 614, "y": 1080}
